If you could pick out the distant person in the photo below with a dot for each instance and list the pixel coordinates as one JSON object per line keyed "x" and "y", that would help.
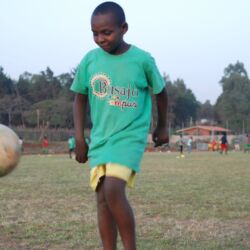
{"x": 116, "y": 79}
{"x": 224, "y": 143}
{"x": 21, "y": 143}
{"x": 71, "y": 145}
{"x": 209, "y": 146}
{"x": 190, "y": 144}
{"x": 181, "y": 146}
{"x": 237, "y": 144}
{"x": 45, "y": 145}
{"x": 247, "y": 143}
{"x": 214, "y": 145}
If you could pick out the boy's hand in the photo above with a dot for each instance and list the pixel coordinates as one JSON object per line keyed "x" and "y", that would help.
{"x": 81, "y": 150}
{"x": 160, "y": 136}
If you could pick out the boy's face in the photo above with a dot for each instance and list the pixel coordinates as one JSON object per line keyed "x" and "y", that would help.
{"x": 107, "y": 33}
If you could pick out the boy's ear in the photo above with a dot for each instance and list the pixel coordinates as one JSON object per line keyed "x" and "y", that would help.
{"x": 124, "y": 28}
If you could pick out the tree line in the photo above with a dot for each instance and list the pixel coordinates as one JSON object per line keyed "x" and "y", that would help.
{"x": 43, "y": 99}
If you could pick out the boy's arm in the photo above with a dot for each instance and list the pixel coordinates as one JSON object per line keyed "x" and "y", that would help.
{"x": 79, "y": 111}
{"x": 160, "y": 135}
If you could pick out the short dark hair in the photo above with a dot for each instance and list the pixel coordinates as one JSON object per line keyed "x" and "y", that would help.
{"x": 113, "y": 8}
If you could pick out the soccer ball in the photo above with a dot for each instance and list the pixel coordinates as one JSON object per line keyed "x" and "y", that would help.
{"x": 10, "y": 150}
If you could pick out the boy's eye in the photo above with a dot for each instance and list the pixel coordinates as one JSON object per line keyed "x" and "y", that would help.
{"x": 107, "y": 32}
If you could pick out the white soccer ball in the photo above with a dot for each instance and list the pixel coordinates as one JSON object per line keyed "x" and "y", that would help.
{"x": 10, "y": 150}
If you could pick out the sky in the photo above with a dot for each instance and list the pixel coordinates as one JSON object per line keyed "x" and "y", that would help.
{"x": 193, "y": 40}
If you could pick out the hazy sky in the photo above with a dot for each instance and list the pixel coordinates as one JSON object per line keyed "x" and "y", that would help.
{"x": 193, "y": 40}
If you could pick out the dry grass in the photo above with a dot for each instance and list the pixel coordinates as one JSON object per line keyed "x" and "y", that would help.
{"x": 200, "y": 202}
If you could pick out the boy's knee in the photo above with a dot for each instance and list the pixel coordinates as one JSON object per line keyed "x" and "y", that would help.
{"x": 101, "y": 201}
{"x": 114, "y": 188}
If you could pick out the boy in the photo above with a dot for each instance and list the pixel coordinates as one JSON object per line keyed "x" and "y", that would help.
{"x": 45, "y": 145}
{"x": 181, "y": 145}
{"x": 190, "y": 144}
{"x": 224, "y": 143}
{"x": 71, "y": 145}
{"x": 116, "y": 78}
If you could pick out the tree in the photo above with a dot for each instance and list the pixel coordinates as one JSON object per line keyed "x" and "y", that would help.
{"x": 206, "y": 111}
{"x": 6, "y": 84}
{"x": 44, "y": 86}
{"x": 233, "y": 105}
{"x": 9, "y": 101}
{"x": 66, "y": 80}
{"x": 44, "y": 97}
{"x": 24, "y": 85}
{"x": 183, "y": 105}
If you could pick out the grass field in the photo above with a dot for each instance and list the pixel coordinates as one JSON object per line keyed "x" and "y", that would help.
{"x": 199, "y": 202}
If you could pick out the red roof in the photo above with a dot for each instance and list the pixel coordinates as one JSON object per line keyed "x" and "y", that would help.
{"x": 209, "y": 128}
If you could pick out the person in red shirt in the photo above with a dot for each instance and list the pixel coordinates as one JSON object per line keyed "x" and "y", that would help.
{"x": 45, "y": 145}
{"x": 214, "y": 145}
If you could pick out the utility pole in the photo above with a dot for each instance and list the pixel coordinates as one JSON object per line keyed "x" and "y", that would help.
{"x": 38, "y": 118}
{"x": 169, "y": 130}
{"x": 191, "y": 121}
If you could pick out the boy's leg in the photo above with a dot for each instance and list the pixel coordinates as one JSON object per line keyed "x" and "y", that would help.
{"x": 114, "y": 193}
{"x": 106, "y": 222}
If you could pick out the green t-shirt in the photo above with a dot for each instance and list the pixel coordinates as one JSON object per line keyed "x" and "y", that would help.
{"x": 71, "y": 143}
{"x": 120, "y": 103}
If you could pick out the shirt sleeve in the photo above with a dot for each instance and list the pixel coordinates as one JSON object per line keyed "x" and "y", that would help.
{"x": 154, "y": 78}
{"x": 80, "y": 83}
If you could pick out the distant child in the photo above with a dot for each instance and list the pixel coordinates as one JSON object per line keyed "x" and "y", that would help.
{"x": 247, "y": 144}
{"x": 181, "y": 146}
{"x": 237, "y": 144}
{"x": 214, "y": 145}
{"x": 21, "y": 143}
{"x": 45, "y": 145}
{"x": 116, "y": 79}
{"x": 224, "y": 143}
{"x": 190, "y": 144}
{"x": 71, "y": 145}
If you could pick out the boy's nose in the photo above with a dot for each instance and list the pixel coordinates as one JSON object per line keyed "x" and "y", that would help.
{"x": 100, "y": 39}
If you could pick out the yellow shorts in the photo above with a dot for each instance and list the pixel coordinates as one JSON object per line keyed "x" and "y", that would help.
{"x": 114, "y": 170}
